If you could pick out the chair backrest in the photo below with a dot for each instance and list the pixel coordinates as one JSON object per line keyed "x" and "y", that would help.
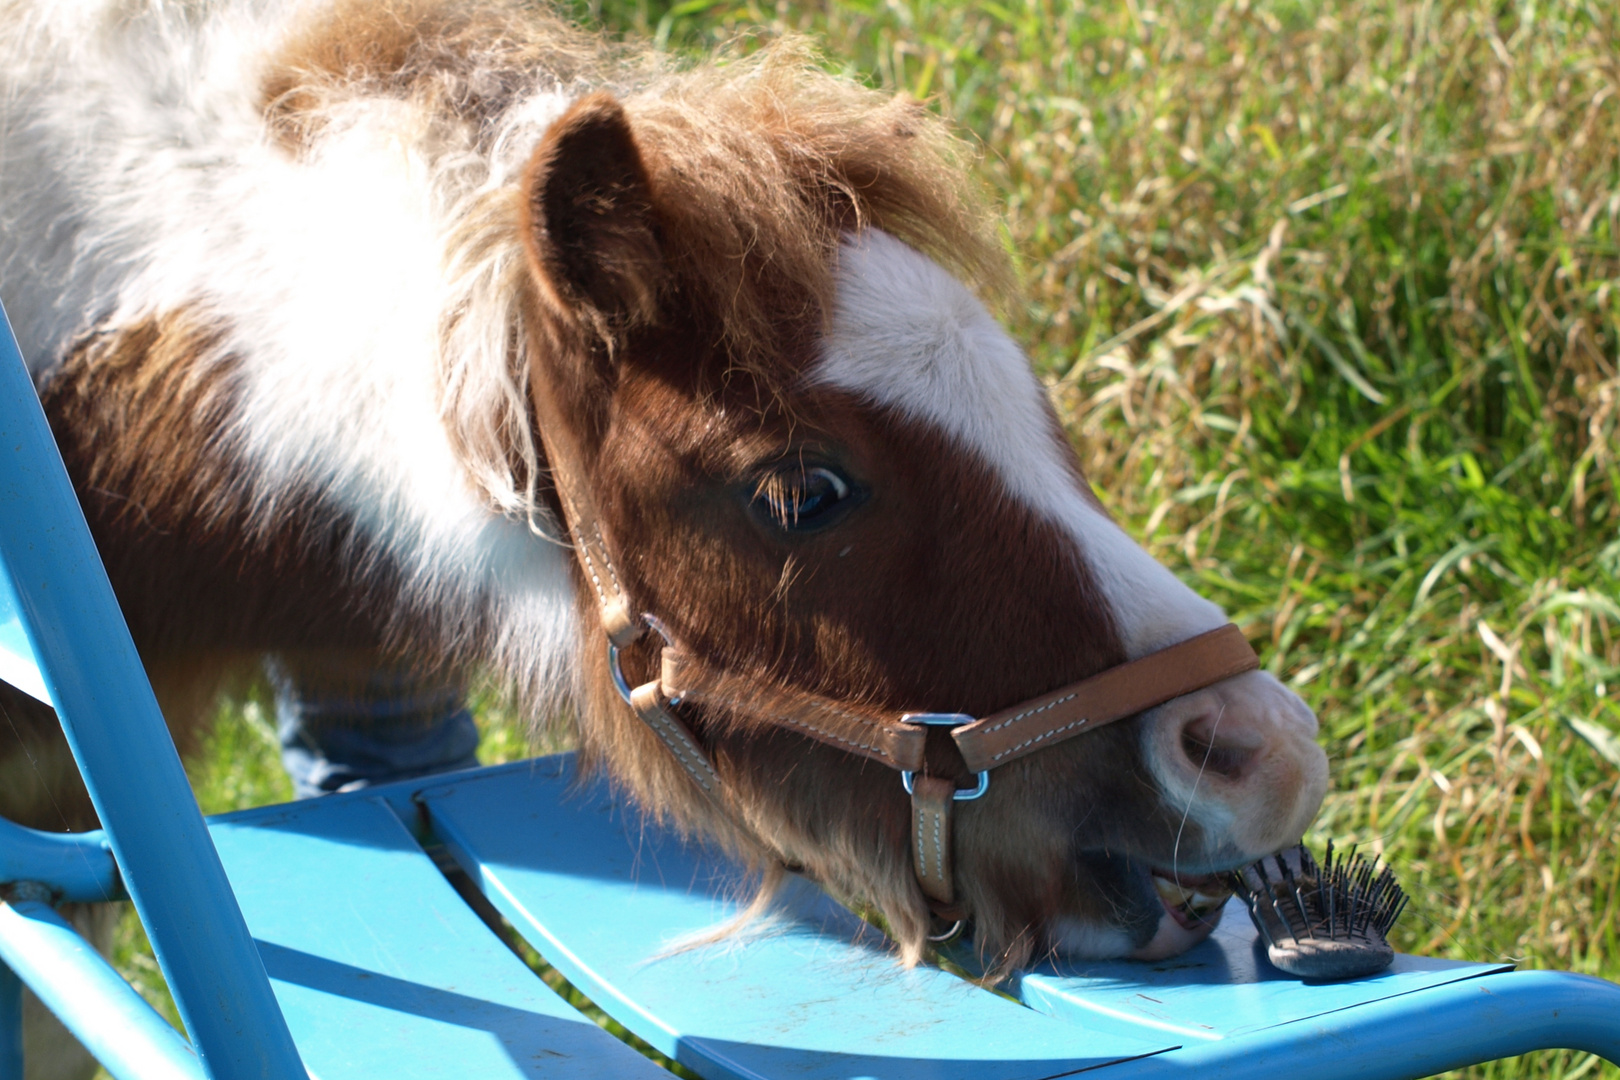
{"x": 64, "y": 623}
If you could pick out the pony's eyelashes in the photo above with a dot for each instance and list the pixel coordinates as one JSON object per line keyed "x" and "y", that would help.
{"x": 798, "y": 499}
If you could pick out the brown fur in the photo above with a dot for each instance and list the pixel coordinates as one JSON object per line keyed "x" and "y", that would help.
{"x": 208, "y": 577}
{"x": 142, "y": 414}
{"x": 460, "y": 60}
{"x": 760, "y": 163}
{"x": 925, "y": 641}
{"x": 760, "y": 167}
{"x": 152, "y": 397}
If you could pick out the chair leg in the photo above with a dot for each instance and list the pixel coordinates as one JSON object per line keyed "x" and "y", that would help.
{"x": 106, "y": 1016}
{"x": 53, "y": 1052}
{"x": 11, "y": 1032}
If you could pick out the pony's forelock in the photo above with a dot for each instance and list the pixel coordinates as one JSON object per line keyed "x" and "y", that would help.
{"x": 760, "y": 166}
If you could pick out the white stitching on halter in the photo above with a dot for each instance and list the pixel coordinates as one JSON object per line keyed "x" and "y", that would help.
{"x": 921, "y": 849}
{"x": 694, "y": 762}
{"x": 607, "y": 560}
{"x": 1032, "y": 712}
{"x": 1038, "y": 738}
{"x": 939, "y": 850}
{"x": 590, "y": 568}
{"x": 880, "y": 751}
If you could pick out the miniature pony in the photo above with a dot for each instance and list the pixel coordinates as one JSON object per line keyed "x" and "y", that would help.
{"x": 289, "y": 278}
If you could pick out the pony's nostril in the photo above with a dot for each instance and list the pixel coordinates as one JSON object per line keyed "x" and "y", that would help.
{"x": 1210, "y": 752}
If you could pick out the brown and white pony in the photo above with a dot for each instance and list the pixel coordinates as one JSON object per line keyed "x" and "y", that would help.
{"x": 289, "y": 276}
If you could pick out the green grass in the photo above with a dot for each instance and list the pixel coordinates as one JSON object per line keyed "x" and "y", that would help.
{"x": 1325, "y": 293}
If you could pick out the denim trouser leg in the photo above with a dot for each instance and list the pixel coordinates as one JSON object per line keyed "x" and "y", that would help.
{"x": 343, "y": 728}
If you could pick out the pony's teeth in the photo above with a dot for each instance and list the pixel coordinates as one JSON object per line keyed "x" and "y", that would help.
{"x": 1172, "y": 893}
{"x": 1197, "y": 901}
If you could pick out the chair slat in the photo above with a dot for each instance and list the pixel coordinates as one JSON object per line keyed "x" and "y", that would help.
{"x": 382, "y": 969}
{"x": 1223, "y": 987}
{"x": 1460, "y": 1023}
{"x": 610, "y": 899}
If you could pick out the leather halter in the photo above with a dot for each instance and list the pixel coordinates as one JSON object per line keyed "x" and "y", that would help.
{"x": 898, "y": 742}
{"x": 895, "y": 741}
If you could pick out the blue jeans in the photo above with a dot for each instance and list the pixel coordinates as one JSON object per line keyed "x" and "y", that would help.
{"x": 346, "y": 724}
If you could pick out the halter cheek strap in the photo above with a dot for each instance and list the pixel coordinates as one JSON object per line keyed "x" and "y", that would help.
{"x": 622, "y": 626}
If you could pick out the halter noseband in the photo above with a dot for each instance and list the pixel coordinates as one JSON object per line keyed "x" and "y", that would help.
{"x": 897, "y": 742}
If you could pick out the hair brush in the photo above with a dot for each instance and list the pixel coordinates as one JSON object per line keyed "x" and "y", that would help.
{"x": 1325, "y": 921}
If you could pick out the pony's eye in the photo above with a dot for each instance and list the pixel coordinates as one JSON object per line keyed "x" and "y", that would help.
{"x": 797, "y": 499}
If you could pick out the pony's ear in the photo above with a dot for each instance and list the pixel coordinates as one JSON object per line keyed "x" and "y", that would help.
{"x": 592, "y": 228}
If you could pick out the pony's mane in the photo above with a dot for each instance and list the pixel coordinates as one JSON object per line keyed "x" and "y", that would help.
{"x": 465, "y": 60}
{"x": 760, "y": 163}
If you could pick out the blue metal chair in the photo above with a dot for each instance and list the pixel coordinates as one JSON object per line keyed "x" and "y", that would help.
{"x": 324, "y": 936}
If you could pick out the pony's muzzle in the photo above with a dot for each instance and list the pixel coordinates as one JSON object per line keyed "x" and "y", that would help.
{"x": 1239, "y": 759}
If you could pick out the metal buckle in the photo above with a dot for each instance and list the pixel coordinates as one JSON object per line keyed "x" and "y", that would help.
{"x": 620, "y": 683}
{"x": 937, "y": 719}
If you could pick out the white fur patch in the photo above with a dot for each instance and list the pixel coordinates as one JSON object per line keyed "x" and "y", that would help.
{"x": 909, "y": 336}
{"x": 137, "y": 177}
{"x": 1089, "y": 941}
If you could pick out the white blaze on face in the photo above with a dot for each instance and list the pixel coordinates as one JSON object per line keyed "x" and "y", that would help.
{"x": 907, "y": 335}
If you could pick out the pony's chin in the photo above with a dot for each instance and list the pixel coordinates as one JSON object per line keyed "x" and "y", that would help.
{"x": 1074, "y": 940}
{"x": 1192, "y": 910}
{"x": 1172, "y": 938}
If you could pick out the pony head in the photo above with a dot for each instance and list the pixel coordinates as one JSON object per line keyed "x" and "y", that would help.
{"x": 755, "y": 304}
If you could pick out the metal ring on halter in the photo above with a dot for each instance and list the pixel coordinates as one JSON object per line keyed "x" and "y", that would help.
{"x": 952, "y": 934}
{"x": 620, "y": 683}
{"x": 935, "y": 719}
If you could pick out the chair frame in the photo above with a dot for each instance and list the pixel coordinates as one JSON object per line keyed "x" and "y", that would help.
{"x": 156, "y": 850}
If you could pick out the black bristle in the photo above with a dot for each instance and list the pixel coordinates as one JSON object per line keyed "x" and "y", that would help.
{"x": 1300, "y": 909}
{"x": 1259, "y": 920}
{"x": 1394, "y": 913}
{"x": 1350, "y": 908}
{"x": 1370, "y": 909}
{"x": 1323, "y": 920}
{"x": 1304, "y": 910}
{"x": 1324, "y": 888}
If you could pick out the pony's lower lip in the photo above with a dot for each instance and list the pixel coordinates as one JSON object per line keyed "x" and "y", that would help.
{"x": 1191, "y": 900}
